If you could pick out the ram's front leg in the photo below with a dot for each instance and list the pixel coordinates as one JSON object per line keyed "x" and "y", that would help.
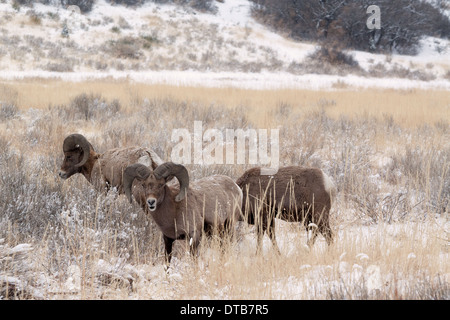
{"x": 168, "y": 243}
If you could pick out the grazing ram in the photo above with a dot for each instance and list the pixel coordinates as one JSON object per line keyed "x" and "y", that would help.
{"x": 187, "y": 210}
{"x": 103, "y": 170}
{"x": 294, "y": 194}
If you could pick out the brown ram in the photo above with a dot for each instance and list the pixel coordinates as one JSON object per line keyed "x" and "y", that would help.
{"x": 294, "y": 194}
{"x": 103, "y": 170}
{"x": 187, "y": 210}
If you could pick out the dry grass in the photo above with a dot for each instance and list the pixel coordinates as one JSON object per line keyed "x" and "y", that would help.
{"x": 411, "y": 107}
{"x": 388, "y": 152}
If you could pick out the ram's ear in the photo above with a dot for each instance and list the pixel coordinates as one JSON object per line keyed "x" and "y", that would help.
{"x": 134, "y": 171}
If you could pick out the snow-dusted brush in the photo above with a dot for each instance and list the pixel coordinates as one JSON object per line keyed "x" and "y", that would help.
{"x": 103, "y": 170}
{"x": 188, "y": 210}
{"x": 293, "y": 194}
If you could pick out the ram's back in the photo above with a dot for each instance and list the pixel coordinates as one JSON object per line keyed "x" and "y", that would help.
{"x": 217, "y": 197}
{"x": 112, "y": 163}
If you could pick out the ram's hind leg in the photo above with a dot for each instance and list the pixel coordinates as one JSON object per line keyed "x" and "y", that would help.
{"x": 194, "y": 242}
{"x": 266, "y": 224}
{"x": 321, "y": 226}
{"x": 324, "y": 224}
{"x": 312, "y": 233}
{"x": 326, "y": 231}
{"x": 271, "y": 234}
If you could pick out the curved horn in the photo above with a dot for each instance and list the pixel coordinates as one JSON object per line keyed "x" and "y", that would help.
{"x": 75, "y": 141}
{"x": 179, "y": 171}
{"x": 134, "y": 171}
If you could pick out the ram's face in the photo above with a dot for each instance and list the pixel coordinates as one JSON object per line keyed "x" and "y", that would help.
{"x": 68, "y": 167}
{"x": 154, "y": 191}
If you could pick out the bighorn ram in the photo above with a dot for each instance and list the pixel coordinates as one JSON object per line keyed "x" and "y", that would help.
{"x": 104, "y": 170}
{"x": 294, "y": 194}
{"x": 186, "y": 211}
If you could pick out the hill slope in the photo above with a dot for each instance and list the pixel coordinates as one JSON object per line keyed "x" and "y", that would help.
{"x": 174, "y": 44}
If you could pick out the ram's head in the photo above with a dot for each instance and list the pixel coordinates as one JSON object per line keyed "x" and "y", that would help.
{"x": 76, "y": 153}
{"x": 153, "y": 182}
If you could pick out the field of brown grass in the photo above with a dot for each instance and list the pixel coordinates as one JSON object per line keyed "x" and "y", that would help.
{"x": 410, "y": 107}
{"x": 387, "y": 151}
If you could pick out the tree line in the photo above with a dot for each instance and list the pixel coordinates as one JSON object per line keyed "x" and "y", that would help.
{"x": 403, "y": 22}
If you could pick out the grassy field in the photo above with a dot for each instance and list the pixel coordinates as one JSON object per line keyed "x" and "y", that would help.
{"x": 387, "y": 151}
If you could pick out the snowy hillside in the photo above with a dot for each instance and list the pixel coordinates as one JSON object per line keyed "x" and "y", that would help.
{"x": 173, "y": 44}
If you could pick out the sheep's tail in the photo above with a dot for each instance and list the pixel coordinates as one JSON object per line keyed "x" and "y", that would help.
{"x": 329, "y": 185}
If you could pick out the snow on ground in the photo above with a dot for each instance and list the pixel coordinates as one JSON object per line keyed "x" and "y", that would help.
{"x": 255, "y": 81}
{"x": 236, "y": 12}
{"x": 367, "y": 270}
{"x": 225, "y": 49}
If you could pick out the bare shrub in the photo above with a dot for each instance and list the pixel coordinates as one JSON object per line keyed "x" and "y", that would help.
{"x": 200, "y": 5}
{"x": 126, "y": 47}
{"x": 89, "y": 107}
{"x": 84, "y": 5}
{"x": 330, "y": 58}
{"x": 35, "y": 18}
{"x": 8, "y": 111}
{"x": 426, "y": 288}
{"x": 372, "y": 203}
{"x": 447, "y": 75}
{"x": 380, "y": 70}
{"x": 203, "y": 5}
{"x": 128, "y": 2}
{"x": 427, "y": 170}
{"x": 101, "y": 65}
{"x": 59, "y": 67}
{"x": 307, "y": 138}
{"x": 333, "y": 55}
{"x": 352, "y": 153}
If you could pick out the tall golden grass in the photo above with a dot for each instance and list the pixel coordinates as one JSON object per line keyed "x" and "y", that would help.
{"x": 410, "y": 107}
